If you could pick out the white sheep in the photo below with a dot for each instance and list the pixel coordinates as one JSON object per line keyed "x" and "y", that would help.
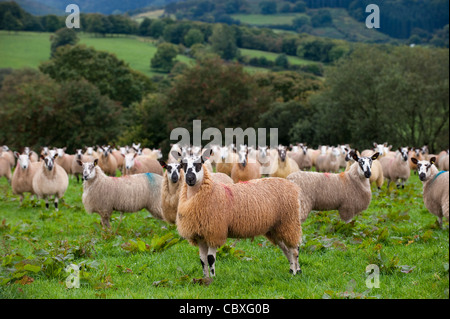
{"x": 5, "y": 168}
{"x": 107, "y": 161}
{"x": 210, "y": 212}
{"x": 91, "y": 152}
{"x": 34, "y": 157}
{"x": 443, "y": 160}
{"x": 9, "y": 155}
{"x": 22, "y": 179}
{"x": 104, "y": 195}
{"x": 377, "y": 175}
{"x": 50, "y": 180}
{"x": 396, "y": 168}
{"x": 76, "y": 169}
{"x": 245, "y": 169}
{"x": 134, "y": 164}
{"x": 64, "y": 160}
{"x": 348, "y": 192}
{"x": 285, "y": 166}
{"x": 268, "y": 159}
{"x": 329, "y": 160}
{"x": 435, "y": 187}
{"x": 227, "y": 159}
{"x": 298, "y": 153}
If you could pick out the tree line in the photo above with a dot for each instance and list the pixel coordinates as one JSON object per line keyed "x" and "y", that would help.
{"x": 399, "y": 18}
{"x": 377, "y": 93}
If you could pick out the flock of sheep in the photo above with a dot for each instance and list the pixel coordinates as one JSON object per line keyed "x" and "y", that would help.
{"x": 218, "y": 193}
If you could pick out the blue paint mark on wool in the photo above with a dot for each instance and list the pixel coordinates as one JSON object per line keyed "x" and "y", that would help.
{"x": 150, "y": 177}
{"x": 438, "y": 174}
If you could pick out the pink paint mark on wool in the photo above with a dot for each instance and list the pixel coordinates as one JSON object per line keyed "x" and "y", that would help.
{"x": 228, "y": 191}
{"x": 137, "y": 163}
{"x": 327, "y": 175}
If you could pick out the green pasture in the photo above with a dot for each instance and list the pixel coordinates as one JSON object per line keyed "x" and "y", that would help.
{"x": 29, "y": 49}
{"x": 145, "y": 258}
{"x": 272, "y": 56}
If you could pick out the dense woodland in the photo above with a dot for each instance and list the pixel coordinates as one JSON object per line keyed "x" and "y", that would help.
{"x": 353, "y": 93}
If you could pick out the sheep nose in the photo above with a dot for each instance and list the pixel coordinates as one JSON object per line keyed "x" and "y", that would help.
{"x": 190, "y": 179}
{"x": 367, "y": 174}
{"x": 174, "y": 178}
{"x": 422, "y": 176}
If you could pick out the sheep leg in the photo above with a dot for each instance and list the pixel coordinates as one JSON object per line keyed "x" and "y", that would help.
{"x": 46, "y": 202}
{"x": 346, "y": 216}
{"x": 203, "y": 249}
{"x": 105, "y": 219}
{"x": 212, "y": 260}
{"x": 292, "y": 256}
{"x": 440, "y": 221}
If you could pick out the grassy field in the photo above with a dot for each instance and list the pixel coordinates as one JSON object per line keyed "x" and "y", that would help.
{"x": 272, "y": 56}
{"x": 263, "y": 19}
{"x": 29, "y": 49}
{"x": 146, "y": 258}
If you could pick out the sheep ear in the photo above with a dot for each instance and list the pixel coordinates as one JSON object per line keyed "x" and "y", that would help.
{"x": 16, "y": 154}
{"x": 355, "y": 156}
{"x": 414, "y": 160}
{"x": 56, "y": 155}
{"x": 375, "y": 156}
{"x": 433, "y": 160}
{"x": 206, "y": 155}
{"x": 135, "y": 154}
{"x": 162, "y": 163}
{"x": 375, "y": 144}
{"x": 176, "y": 155}
{"x": 80, "y": 162}
{"x": 96, "y": 162}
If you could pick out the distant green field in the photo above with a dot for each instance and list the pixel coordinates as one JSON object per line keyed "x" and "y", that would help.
{"x": 272, "y": 56}
{"x": 29, "y": 49}
{"x": 262, "y": 19}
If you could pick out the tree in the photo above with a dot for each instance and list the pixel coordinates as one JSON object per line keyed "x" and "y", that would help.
{"x": 223, "y": 42}
{"x": 193, "y": 36}
{"x": 380, "y": 95}
{"x": 63, "y": 36}
{"x": 51, "y": 23}
{"x": 144, "y": 27}
{"x": 10, "y": 22}
{"x": 112, "y": 76}
{"x": 321, "y": 18}
{"x": 37, "y": 111}
{"x": 301, "y": 21}
{"x": 268, "y": 7}
{"x": 164, "y": 59}
{"x": 282, "y": 61}
{"x": 220, "y": 94}
{"x": 150, "y": 120}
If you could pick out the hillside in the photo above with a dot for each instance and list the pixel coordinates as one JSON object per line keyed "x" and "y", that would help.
{"x": 42, "y": 7}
